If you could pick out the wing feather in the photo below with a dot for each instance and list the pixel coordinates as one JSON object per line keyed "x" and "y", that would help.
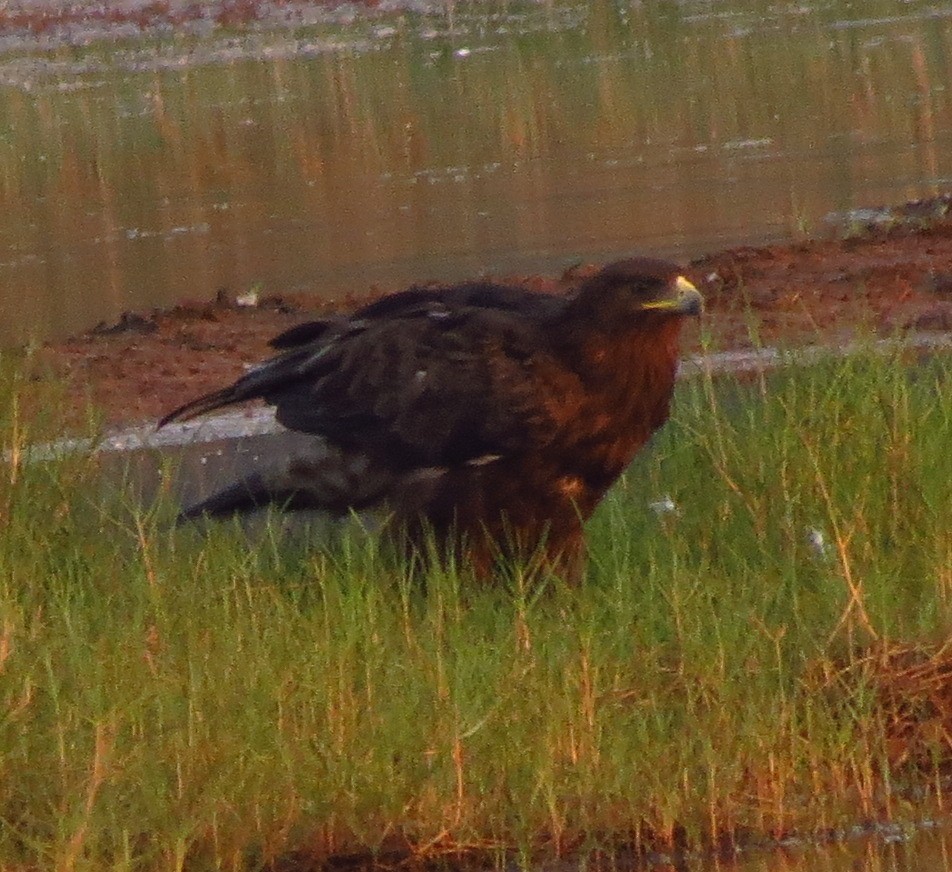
{"x": 423, "y": 392}
{"x": 426, "y": 377}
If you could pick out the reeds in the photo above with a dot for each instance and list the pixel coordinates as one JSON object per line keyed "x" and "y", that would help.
{"x": 762, "y": 652}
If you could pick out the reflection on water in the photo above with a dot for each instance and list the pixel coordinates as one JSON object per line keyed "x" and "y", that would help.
{"x": 437, "y": 147}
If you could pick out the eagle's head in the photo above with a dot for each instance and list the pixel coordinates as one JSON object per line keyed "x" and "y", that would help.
{"x": 640, "y": 289}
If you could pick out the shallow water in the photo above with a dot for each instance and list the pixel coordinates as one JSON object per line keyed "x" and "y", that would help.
{"x": 892, "y": 850}
{"x": 415, "y": 146}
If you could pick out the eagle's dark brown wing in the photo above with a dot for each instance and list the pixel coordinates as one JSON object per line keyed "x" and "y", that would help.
{"x": 424, "y": 391}
{"x": 417, "y": 299}
{"x": 420, "y": 382}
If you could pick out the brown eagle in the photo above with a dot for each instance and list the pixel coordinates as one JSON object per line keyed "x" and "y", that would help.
{"x": 489, "y": 416}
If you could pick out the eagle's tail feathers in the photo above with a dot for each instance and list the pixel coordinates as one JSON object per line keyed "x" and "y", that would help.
{"x": 253, "y": 492}
{"x": 262, "y": 381}
{"x": 207, "y": 403}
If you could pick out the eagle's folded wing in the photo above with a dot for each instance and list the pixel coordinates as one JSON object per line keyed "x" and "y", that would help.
{"x": 428, "y": 383}
{"x": 442, "y": 388}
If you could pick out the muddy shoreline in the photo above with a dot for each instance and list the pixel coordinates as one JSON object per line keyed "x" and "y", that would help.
{"x": 45, "y": 24}
{"x": 53, "y": 41}
{"x": 881, "y": 279}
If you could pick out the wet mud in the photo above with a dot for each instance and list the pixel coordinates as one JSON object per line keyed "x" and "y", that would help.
{"x": 56, "y": 23}
{"x": 888, "y": 274}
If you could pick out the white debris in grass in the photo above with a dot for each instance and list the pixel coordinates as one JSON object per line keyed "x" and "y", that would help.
{"x": 817, "y": 542}
{"x": 664, "y": 506}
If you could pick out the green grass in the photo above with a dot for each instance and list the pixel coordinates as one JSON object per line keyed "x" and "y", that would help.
{"x": 174, "y": 702}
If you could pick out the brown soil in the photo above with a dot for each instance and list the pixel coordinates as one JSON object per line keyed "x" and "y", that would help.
{"x": 99, "y": 17}
{"x": 881, "y": 280}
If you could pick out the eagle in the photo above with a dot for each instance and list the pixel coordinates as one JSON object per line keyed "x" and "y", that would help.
{"x": 486, "y": 418}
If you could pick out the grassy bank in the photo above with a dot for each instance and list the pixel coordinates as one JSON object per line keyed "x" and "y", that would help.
{"x": 169, "y": 702}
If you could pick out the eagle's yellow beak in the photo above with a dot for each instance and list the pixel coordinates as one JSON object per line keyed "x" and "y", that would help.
{"x": 687, "y": 300}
